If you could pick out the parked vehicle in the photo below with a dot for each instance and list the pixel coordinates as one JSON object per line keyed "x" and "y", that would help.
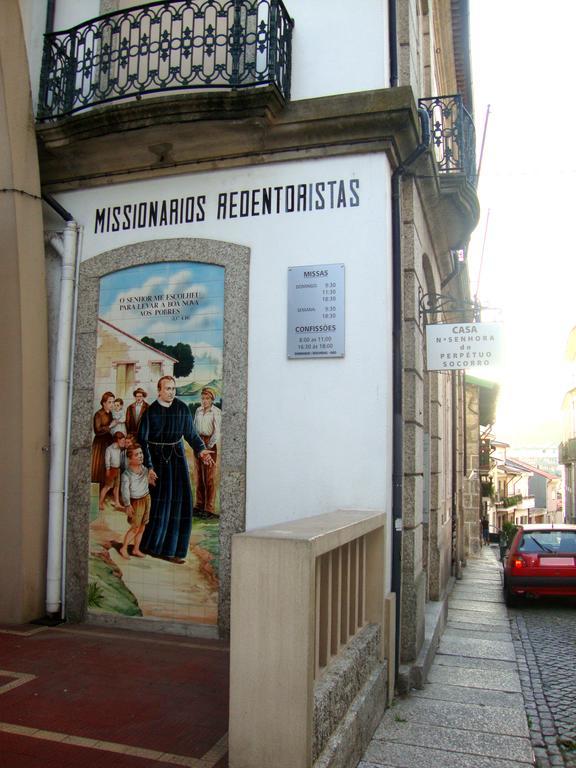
{"x": 541, "y": 561}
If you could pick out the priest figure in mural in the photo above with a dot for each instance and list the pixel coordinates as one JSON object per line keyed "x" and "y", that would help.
{"x": 163, "y": 428}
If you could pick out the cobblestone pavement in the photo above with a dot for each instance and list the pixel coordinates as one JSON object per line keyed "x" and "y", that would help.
{"x": 544, "y": 637}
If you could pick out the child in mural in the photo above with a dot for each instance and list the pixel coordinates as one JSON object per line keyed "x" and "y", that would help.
{"x": 113, "y": 460}
{"x": 163, "y": 427}
{"x": 207, "y": 421}
{"x": 118, "y": 417}
{"x": 102, "y": 437}
{"x": 128, "y": 443}
{"x": 136, "y": 500}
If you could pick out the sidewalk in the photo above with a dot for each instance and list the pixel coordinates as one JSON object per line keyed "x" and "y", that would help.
{"x": 81, "y": 695}
{"x": 470, "y": 713}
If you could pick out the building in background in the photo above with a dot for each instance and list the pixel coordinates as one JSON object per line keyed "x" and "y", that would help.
{"x": 567, "y": 448}
{"x": 481, "y": 400}
{"x": 517, "y": 492}
{"x": 265, "y": 204}
{"x": 545, "y": 489}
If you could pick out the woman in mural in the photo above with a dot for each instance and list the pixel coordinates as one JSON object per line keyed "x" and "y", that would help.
{"x": 102, "y": 437}
{"x": 163, "y": 427}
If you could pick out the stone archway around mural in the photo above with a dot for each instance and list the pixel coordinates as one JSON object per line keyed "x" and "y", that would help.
{"x": 88, "y": 525}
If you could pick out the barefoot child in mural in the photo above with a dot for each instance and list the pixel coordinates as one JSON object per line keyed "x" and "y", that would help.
{"x": 136, "y": 500}
{"x": 113, "y": 460}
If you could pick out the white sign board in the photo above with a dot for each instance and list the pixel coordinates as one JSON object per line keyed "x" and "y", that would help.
{"x": 316, "y": 311}
{"x": 456, "y": 346}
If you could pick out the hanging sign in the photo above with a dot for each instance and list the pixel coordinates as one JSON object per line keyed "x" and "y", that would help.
{"x": 316, "y": 311}
{"x": 456, "y": 346}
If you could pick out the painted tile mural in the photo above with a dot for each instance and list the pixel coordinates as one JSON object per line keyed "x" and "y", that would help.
{"x": 155, "y": 496}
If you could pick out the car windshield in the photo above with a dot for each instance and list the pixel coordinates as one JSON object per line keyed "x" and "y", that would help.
{"x": 553, "y": 541}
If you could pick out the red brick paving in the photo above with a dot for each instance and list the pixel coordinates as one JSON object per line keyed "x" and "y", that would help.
{"x": 24, "y": 752}
{"x": 154, "y": 692}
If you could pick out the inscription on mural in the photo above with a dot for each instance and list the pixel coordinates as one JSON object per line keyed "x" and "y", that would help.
{"x": 161, "y": 304}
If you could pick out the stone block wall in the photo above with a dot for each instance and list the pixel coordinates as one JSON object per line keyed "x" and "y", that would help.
{"x": 349, "y": 701}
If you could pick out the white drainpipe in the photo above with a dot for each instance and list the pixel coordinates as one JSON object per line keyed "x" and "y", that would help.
{"x": 67, "y": 249}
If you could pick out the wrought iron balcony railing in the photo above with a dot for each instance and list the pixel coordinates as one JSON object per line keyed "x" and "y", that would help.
{"x": 165, "y": 46}
{"x": 453, "y": 135}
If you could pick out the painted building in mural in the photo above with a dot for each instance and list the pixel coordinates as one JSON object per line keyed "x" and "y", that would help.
{"x": 243, "y": 228}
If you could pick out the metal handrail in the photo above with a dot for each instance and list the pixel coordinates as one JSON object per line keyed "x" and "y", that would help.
{"x": 453, "y": 135}
{"x": 165, "y": 46}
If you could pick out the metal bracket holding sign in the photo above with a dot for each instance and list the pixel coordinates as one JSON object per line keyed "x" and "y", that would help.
{"x": 315, "y": 311}
{"x": 438, "y": 303}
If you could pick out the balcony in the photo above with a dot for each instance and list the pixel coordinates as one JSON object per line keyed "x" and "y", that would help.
{"x": 567, "y": 451}
{"x": 518, "y": 501}
{"x": 509, "y": 501}
{"x": 453, "y": 136}
{"x": 161, "y": 47}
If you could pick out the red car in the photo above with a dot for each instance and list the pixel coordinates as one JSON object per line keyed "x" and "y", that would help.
{"x": 541, "y": 561}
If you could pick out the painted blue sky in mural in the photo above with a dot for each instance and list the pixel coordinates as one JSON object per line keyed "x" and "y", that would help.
{"x": 171, "y": 302}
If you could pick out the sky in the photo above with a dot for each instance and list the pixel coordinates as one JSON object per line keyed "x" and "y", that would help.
{"x": 521, "y": 255}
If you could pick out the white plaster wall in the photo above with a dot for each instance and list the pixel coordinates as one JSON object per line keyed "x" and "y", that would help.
{"x": 69, "y": 13}
{"x": 33, "y": 14}
{"x": 319, "y": 431}
{"x": 338, "y": 46}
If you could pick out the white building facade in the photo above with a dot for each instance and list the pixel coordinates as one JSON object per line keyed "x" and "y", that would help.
{"x": 181, "y": 183}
